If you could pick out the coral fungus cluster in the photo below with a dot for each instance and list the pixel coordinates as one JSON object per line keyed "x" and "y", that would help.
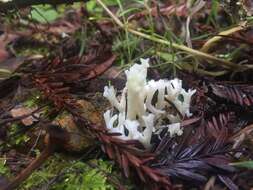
{"x": 146, "y": 107}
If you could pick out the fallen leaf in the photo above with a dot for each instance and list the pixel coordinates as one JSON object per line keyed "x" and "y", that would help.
{"x": 22, "y": 111}
{"x": 4, "y": 40}
{"x": 248, "y": 6}
{"x": 11, "y": 64}
{"x": 101, "y": 68}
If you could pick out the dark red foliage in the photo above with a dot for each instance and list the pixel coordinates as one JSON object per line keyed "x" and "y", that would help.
{"x": 203, "y": 151}
{"x": 195, "y": 158}
{"x": 238, "y": 94}
{"x": 129, "y": 156}
{"x": 55, "y": 78}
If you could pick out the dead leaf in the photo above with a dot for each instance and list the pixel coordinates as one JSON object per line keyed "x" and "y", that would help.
{"x": 248, "y": 6}
{"x": 101, "y": 68}
{"x": 179, "y": 10}
{"x": 12, "y": 64}
{"x": 4, "y": 40}
{"x": 22, "y": 111}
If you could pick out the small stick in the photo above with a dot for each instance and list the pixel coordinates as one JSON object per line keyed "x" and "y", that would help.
{"x": 47, "y": 152}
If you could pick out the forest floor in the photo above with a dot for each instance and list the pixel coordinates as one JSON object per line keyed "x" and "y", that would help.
{"x": 55, "y": 60}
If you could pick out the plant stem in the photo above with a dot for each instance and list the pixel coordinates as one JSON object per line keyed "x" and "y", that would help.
{"x": 211, "y": 42}
{"x": 215, "y": 60}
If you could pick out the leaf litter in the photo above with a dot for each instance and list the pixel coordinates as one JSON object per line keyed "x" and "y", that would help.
{"x": 78, "y": 57}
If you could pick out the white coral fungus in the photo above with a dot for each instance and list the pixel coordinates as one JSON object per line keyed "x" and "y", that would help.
{"x": 137, "y": 117}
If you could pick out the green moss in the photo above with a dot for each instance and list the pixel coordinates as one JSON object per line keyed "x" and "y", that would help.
{"x": 17, "y": 138}
{"x": 59, "y": 173}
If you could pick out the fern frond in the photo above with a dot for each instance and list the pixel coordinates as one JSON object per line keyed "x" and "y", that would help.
{"x": 238, "y": 94}
{"x": 195, "y": 162}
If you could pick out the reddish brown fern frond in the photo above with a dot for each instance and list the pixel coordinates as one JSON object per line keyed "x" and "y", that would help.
{"x": 219, "y": 126}
{"x": 56, "y": 78}
{"x": 129, "y": 155}
{"x": 197, "y": 157}
{"x": 238, "y": 94}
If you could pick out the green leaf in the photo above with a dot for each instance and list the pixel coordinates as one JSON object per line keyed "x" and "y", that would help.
{"x": 3, "y": 168}
{"x": 44, "y": 13}
{"x": 167, "y": 56}
{"x": 245, "y": 164}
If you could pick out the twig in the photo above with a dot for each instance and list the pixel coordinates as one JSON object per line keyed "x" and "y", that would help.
{"x": 27, "y": 171}
{"x": 215, "y": 60}
{"x": 14, "y": 119}
{"x": 14, "y": 4}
